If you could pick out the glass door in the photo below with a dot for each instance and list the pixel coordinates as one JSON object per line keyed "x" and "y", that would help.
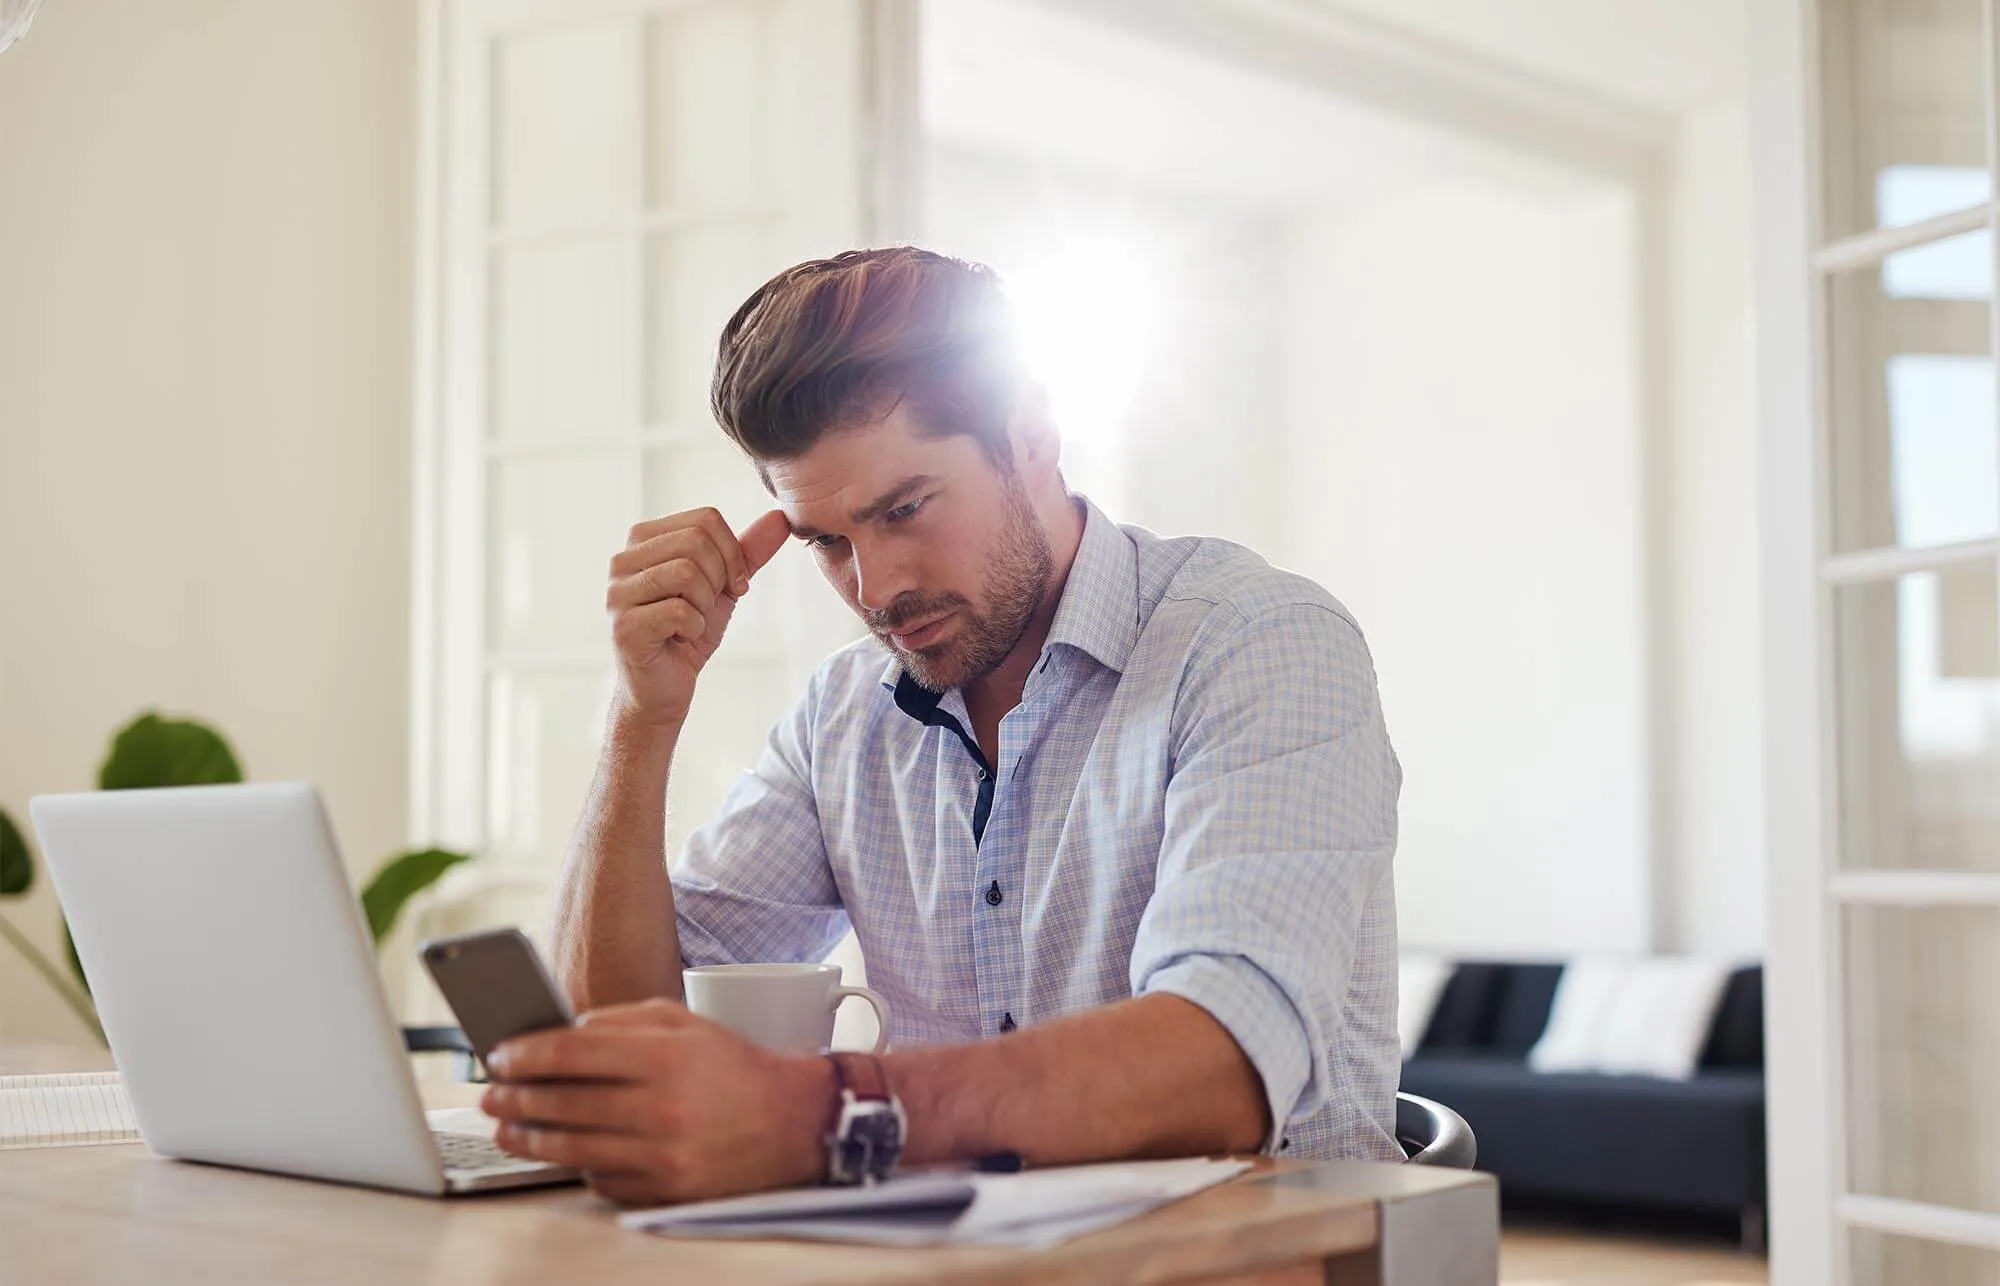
{"x": 1882, "y": 491}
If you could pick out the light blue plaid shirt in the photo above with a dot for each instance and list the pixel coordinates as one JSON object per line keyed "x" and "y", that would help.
{"x": 1196, "y": 796}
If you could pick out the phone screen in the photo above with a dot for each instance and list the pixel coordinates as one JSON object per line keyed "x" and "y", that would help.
{"x": 496, "y": 985}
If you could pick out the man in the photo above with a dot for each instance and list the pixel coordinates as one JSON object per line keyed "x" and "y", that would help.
{"x": 1111, "y": 815}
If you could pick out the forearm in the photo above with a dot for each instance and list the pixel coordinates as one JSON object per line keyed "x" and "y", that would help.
{"x": 1153, "y": 1076}
{"x": 615, "y": 937}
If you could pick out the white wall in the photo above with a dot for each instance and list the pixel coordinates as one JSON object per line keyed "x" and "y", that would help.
{"x": 1465, "y": 475}
{"x": 1713, "y": 863}
{"x": 204, "y": 402}
{"x": 1198, "y": 446}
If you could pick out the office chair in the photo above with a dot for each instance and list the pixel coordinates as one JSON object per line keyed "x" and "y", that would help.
{"x": 1433, "y": 1134}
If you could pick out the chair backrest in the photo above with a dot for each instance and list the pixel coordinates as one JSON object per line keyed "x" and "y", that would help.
{"x": 1433, "y": 1134}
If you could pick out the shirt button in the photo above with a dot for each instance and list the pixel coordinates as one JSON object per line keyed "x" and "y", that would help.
{"x": 1006, "y": 1024}
{"x": 993, "y": 894}
{"x": 982, "y": 774}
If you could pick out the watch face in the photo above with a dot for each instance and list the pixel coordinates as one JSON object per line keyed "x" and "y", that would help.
{"x": 870, "y": 1141}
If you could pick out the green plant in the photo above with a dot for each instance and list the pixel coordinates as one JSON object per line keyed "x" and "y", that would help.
{"x": 152, "y": 751}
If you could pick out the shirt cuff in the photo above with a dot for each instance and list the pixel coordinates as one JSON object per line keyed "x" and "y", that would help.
{"x": 1256, "y": 1013}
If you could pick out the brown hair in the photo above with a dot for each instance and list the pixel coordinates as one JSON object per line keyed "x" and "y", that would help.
{"x": 834, "y": 343}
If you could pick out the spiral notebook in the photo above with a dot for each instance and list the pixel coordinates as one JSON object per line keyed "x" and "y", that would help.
{"x": 70, "y": 1109}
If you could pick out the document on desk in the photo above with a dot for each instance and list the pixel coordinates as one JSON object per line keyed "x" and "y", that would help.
{"x": 69, "y": 1109}
{"x": 1032, "y": 1210}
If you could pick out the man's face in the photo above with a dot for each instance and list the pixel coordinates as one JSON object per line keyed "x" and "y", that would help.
{"x": 936, "y": 548}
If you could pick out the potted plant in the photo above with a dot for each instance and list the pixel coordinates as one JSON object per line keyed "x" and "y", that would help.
{"x": 153, "y": 751}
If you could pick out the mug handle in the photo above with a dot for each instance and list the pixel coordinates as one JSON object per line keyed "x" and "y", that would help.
{"x": 881, "y": 1008}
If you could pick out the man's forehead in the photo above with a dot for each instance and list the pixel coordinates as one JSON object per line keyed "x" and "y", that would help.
{"x": 848, "y": 471}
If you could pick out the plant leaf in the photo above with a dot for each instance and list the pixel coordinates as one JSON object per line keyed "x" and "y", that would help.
{"x": 17, "y": 864}
{"x": 152, "y": 751}
{"x": 400, "y": 879}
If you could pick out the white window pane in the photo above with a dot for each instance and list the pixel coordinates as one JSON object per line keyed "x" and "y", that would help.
{"x": 1879, "y": 1259}
{"x": 696, "y": 280}
{"x": 1914, "y": 446}
{"x": 708, "y": 93}
{"x": 544, "y": 731}
{"x": 1904, "y": 84}
{"x": 1958, "y": 267}
{"x": 554, "y": 524}
{"x": 1918, "y": 662}
{"x": 1923, "y": 1036}
{"x": 565, "y": 341}
{"x": 565, "y": 130}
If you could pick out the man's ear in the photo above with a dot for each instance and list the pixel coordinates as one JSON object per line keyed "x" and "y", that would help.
{"x": 1032, "y": 433}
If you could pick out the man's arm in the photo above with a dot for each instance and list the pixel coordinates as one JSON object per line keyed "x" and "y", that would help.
{"x": 615, "y": 939}
{"x": 1152, "y": 1076}
{"x": 656, "y": 1105}
{"x": 673, "y": 589}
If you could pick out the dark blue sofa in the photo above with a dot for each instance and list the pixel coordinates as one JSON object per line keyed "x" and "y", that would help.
{"x": 1694, "y": 1145}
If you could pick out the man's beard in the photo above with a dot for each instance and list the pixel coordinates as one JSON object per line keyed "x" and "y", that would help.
{"x": 1020, "y": 564}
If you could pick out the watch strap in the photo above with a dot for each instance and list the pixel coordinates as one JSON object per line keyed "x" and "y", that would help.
{"x": 859, "y": 1074}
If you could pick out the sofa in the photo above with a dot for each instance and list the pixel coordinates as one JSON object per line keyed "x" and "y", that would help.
{"x": 1694, "y": 1146}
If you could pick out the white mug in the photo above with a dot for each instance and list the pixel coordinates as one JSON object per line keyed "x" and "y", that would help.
{"x": 786, "y": 1007}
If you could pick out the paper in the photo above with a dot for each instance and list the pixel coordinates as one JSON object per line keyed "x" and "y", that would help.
{"x": 1032, "y": 1210}
{"x": 66, "y": 1110}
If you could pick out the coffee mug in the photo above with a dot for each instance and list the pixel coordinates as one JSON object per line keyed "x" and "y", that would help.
{"x": 786, "y": 1007}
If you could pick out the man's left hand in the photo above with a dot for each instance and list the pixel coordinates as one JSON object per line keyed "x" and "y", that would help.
{"x": 656, "y": 1105}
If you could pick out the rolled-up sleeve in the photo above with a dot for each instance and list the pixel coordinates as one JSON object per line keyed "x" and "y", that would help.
{"x": 1280, "y": 825}
{"x": 753, "y": 884}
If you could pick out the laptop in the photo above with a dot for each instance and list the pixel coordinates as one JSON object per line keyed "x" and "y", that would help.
{"x": 236, "y": 981}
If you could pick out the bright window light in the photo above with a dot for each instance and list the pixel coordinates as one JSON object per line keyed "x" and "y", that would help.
{"x": 1085, "y": 308}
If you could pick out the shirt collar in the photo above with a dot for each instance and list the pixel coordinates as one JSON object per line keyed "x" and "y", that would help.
{"x": 1098, "y": 613}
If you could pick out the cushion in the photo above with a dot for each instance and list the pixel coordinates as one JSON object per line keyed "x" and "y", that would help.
{"x": 1647, "y": 1016}
{"x": 1420, "y": 980}
{"x": 1526, "y": 993}
{"x": 1463, "y": 1018}
{"x": 1737, "y": 1039}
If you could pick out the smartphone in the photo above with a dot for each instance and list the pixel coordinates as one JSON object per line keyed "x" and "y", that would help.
{"x": 496, "y": 985}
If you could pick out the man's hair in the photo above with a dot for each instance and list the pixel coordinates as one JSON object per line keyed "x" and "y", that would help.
{"x": 837, "y": 343}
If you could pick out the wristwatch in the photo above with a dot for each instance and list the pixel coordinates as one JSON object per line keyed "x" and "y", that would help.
{"x": 866, "y": 1138}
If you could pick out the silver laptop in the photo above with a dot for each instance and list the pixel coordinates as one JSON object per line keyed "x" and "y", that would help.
{"x": 237, "y": 983}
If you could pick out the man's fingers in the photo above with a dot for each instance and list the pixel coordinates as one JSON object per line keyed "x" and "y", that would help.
{"x": 689, "y": 543}
{"x": 569, "y": 1054}
{"x": 582, "y": 1149}
{"x": 763, "y": 538}
{"x": 709, "y": 520}
{"x": 657, "y": 622}
{"x": 590, "y": 1105}
{"x": 676, "y": 578}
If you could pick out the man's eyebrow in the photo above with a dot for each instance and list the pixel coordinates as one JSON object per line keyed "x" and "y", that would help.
{"x": 894, "y": 496}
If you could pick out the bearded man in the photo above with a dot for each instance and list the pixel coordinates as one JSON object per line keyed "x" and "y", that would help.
{"x": 1111, "y": 815}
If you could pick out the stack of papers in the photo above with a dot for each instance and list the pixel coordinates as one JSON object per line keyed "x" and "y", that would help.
{"x": 65, "y": 1110}
{"x": 1032, "y": 1211}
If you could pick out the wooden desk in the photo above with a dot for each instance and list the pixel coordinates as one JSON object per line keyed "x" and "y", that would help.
{"x": 80, "y": 1216}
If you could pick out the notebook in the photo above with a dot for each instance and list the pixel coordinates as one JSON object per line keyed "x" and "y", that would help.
{"x": 65, "y": 1110}
{"x": 1033, "y": 1210}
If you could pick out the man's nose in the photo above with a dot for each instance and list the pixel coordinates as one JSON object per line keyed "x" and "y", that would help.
{"x": 880, "y": 579}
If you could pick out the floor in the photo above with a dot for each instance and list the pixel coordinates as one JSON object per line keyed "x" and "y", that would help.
{"x": 1561, "y": 1257}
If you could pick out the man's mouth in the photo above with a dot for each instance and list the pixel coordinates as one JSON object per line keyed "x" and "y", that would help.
{"x": 913, "y": 638}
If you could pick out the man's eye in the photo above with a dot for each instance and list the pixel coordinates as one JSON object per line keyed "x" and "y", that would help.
{"x": 904, "y": 512}
{"x": 826, "y": 541}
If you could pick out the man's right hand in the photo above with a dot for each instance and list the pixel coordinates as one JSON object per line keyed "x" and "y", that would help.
{"x": 673, "y": 589}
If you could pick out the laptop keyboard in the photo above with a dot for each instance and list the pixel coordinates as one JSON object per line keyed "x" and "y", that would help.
{"x": 473, "y": 1153}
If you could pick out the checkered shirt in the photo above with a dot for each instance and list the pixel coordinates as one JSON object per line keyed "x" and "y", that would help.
{"x": 1196, "y": 796}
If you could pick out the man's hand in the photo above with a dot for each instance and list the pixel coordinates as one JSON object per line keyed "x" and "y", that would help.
{"x": 656, "y": 1105}
{"x": 673, "y": 589}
